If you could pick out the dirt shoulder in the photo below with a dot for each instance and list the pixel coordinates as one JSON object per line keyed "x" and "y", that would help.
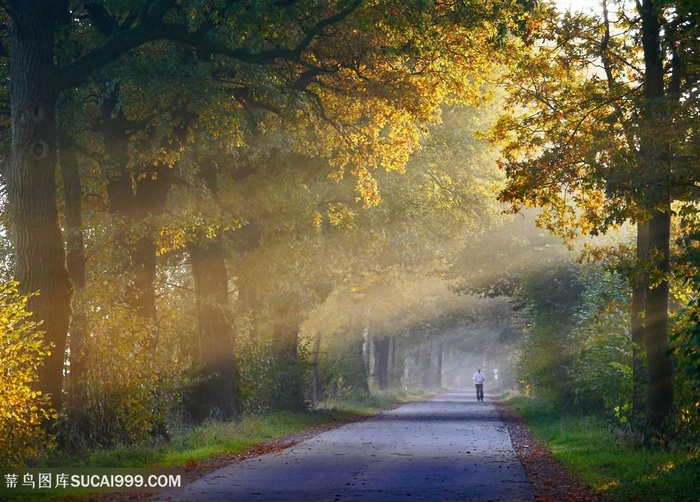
{"x": 550, "y": 480}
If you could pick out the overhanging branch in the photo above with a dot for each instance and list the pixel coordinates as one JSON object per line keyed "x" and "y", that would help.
{"x": 153, "y": 27}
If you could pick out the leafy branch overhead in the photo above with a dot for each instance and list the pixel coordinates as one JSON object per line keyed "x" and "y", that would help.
{"x": 367, "y": 76}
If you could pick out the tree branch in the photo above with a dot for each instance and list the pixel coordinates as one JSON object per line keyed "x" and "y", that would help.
{"x": 119, "y": 43}
{"x": 324, "y": 23}
{"x": 177, "y": 286}
{"x": 152, "y": 28}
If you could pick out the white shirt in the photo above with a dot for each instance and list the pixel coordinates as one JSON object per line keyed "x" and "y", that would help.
{"x": 479, "y": 377}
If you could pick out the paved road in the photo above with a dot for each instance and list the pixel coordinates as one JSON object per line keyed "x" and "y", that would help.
{"x": 447, "y": 448}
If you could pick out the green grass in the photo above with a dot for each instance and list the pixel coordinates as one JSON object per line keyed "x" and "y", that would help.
{"x": 616, "y": 469}
{"x": 219, "y": 438}
{"x": 209, "y": 440}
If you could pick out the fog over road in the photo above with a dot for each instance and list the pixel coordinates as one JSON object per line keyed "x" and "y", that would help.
{"x": 449, "y": 447}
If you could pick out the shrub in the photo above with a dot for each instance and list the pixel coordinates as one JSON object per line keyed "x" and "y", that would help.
{"x": 578, "y": 348}
{"x": 271, "y": 377}
{"x": 133, "y": 377}
{"x": 601, "y": 373}
{"x": 24, "y": 410}
{"x": 551, "y": 298}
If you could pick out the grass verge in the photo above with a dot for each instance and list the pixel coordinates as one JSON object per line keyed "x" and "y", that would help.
{"x": 618, "y": 471}
{"x": 225, "y": 438}
{"x": 217, "y": 441}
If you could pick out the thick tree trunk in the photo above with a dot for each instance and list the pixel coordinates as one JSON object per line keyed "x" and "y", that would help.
{"x": 115, "y": 168}
{"x": 381, "y": 361}
{"x": 31, "y": 185}
{"x": 660, "y": 398}
{"x": 215, "y": 336}
{"x": 75, "y": 261}
{"x": 655, "y": 169}
{"x": 132, "y": 204}
{"x": 149, "y": 201}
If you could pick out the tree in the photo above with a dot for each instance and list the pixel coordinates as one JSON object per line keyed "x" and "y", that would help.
{"x": 29, "y": 174}
{"x": 596, "y": 148}
{"x": 36, "y": 84}
{"x": 76, "y": 266}
{"x": 211, "y": 282}
{"x": 289, "y": 49}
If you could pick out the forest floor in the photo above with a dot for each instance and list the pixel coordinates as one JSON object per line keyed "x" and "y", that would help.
{"x": 550, "y": 481}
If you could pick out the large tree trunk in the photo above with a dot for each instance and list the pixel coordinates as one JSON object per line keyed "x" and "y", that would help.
{"x": 660, "y": 398}
{"x": 119, "y": 184}
{"x": 31, "y": 185}
{"x": 133, "y": 199}
{"x": 381, "y": 361}
{"x": 215, "y": 336}
{"x": 639, "y": 293}
{"x": 652, "y": 150}
{"x": 150, "y": 199}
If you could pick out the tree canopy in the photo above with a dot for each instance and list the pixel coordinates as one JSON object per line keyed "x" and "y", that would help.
{"x": 221, "y": 150}
{"x": 265, "y": 203}
{"x": 600, "y": 132}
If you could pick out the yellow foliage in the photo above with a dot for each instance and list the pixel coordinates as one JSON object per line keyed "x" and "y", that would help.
{"x": 131, "y": 374}
{"x": 393, "y": 70}
{"x": 340, "y": 215}
{"x": 23, "y": 409}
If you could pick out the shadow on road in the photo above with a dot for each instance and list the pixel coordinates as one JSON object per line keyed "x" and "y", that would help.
{"x": 449, "y": 447}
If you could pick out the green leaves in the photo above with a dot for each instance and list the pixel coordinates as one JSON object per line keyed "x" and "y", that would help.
{"x": 578, "y": 349}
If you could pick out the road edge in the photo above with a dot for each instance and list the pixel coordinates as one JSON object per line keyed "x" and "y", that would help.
{"x": 549, "y": 479}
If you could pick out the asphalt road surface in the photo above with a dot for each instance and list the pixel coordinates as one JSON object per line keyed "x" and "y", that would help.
{"x": 446, "y": 448}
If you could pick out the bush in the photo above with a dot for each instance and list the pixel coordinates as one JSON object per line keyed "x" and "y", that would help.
{"x": 602, "y": 370}
{"x": 133, "y": 377}
{"x": 270, "y": 377}
{"x": 686, "y": 345}
{"x": 343, "y": 369}
{"x": 24, "y": 411}
{"x": 578, "y": 348}
{"x": 551, "y": 298}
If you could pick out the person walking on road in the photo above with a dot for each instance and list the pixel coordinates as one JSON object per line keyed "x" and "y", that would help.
{"x": 479, "y": 378}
